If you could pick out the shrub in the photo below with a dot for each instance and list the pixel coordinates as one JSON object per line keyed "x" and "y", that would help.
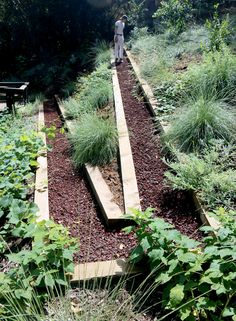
{"x": 38, "y": 271}
{"x": 94, "y": 141}
{"x": 201, "y": 122}
{"x": 174, "y": 14}
{"x": 211, "y": 175}
{"x": 196, "y": 280}
{"x": 218, "y": 30}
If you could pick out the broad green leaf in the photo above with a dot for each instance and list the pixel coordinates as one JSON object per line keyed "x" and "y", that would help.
{"x": 211, "y": 250}
{"x": 155, "y": 255}
{"x": 184, "y": 313}
{"x": 228, "y": 312}
{"x": 206, "y": 279}
{"x": 219, "y": 288}
{"x": 49, "y": 280}
{"x": 176, "y": 295}
{"x": 163, "y": 278}
{"x": 20, "y": 293}
{"x": 128, "y": 229}
{"x": 187, "y": 257}
{"x": 62, "y": 282}
{"x": 68, "y": 254}
{"x": 206, "y": 229}
{"x": 34, "y": 163}
{"x": 145, "y": 243}
{"x": 70, "y": 268}
{"x": 225, "y": 252}
{"x": 137, "y": 254}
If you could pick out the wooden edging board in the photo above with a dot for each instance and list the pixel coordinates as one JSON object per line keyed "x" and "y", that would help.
{"x": 103, "y": 269}
{"x": 153, "y": 105}
{"x": 129, "y": 181}
{"x": 41, "y": 178}
{"x": 110, "y": 210}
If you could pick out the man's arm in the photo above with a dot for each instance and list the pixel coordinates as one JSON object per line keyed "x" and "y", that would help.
{"x": 116, "y": 28}
{"x": 115, "y": 36}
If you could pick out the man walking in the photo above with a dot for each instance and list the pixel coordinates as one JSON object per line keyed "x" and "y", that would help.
{"x": 119, "y": 38}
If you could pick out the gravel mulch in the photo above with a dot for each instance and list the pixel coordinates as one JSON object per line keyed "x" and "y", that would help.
{"x": 72, "y": 204}
{"x": 176, "y": 207}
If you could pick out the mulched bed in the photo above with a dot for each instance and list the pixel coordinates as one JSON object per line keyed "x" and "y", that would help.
{"x": 176, "y": 207}
{"x": 112, "y": 176}
{"x": 72, "y": 204}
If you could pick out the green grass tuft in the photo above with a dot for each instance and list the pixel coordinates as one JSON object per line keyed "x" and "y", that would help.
{"x": 74, "y": 109}
{"x": 100, "y": 53}
{"x": 215, "y": 76}
{"x": 94, "y": 91}
{"x": 95, "y": 141}
{"x": 201, "y": 122}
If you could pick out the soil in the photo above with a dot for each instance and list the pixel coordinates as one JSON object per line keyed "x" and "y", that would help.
{"x": 183, "y": 62}
{"x": 175, "y": 207}
{"x": 112, "y": 176}
{"x": 71, "y": 202}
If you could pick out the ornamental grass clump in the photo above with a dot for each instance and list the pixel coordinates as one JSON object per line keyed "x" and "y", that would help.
{"x": 75, "y": 108}
{"x": 94, "y": 141}
{"x": 214, "y": 77}
{"x": 201, "y": 122}
{"x": 94, "y": 92}
{"x": 100, "y": 53}
{"x": 98, "y": 94}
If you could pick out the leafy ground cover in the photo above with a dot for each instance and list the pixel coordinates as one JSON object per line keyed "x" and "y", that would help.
{"x": 197, "y": 279}
{"x": 33, "y": 254}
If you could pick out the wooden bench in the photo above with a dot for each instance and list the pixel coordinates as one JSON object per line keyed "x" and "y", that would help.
{"x": 14, "y": 91}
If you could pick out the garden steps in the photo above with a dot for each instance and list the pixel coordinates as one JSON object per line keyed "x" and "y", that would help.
{"x": 103, "y": 269}
{"x": 153, "y": 105}
{"x": 110, "y": 210}
{"x": 129, "y": 181}
{"x": 41, "y": 179}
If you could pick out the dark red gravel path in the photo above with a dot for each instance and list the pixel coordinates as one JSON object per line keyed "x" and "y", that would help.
{"x": 176, "y": 207}
{"x": 71, "y": 202}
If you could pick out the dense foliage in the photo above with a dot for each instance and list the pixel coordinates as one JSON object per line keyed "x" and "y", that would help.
{"x": 212, "y": 175}
{"x": 33, "y": 254}
{"x": 197, "y": 280}
{"x": 174, "y": 14}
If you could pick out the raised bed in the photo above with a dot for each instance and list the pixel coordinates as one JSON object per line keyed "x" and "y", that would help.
{"x": 153, "y": 106}
{"x": 114, "y": 241}
{"x": 110, "y": 210}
